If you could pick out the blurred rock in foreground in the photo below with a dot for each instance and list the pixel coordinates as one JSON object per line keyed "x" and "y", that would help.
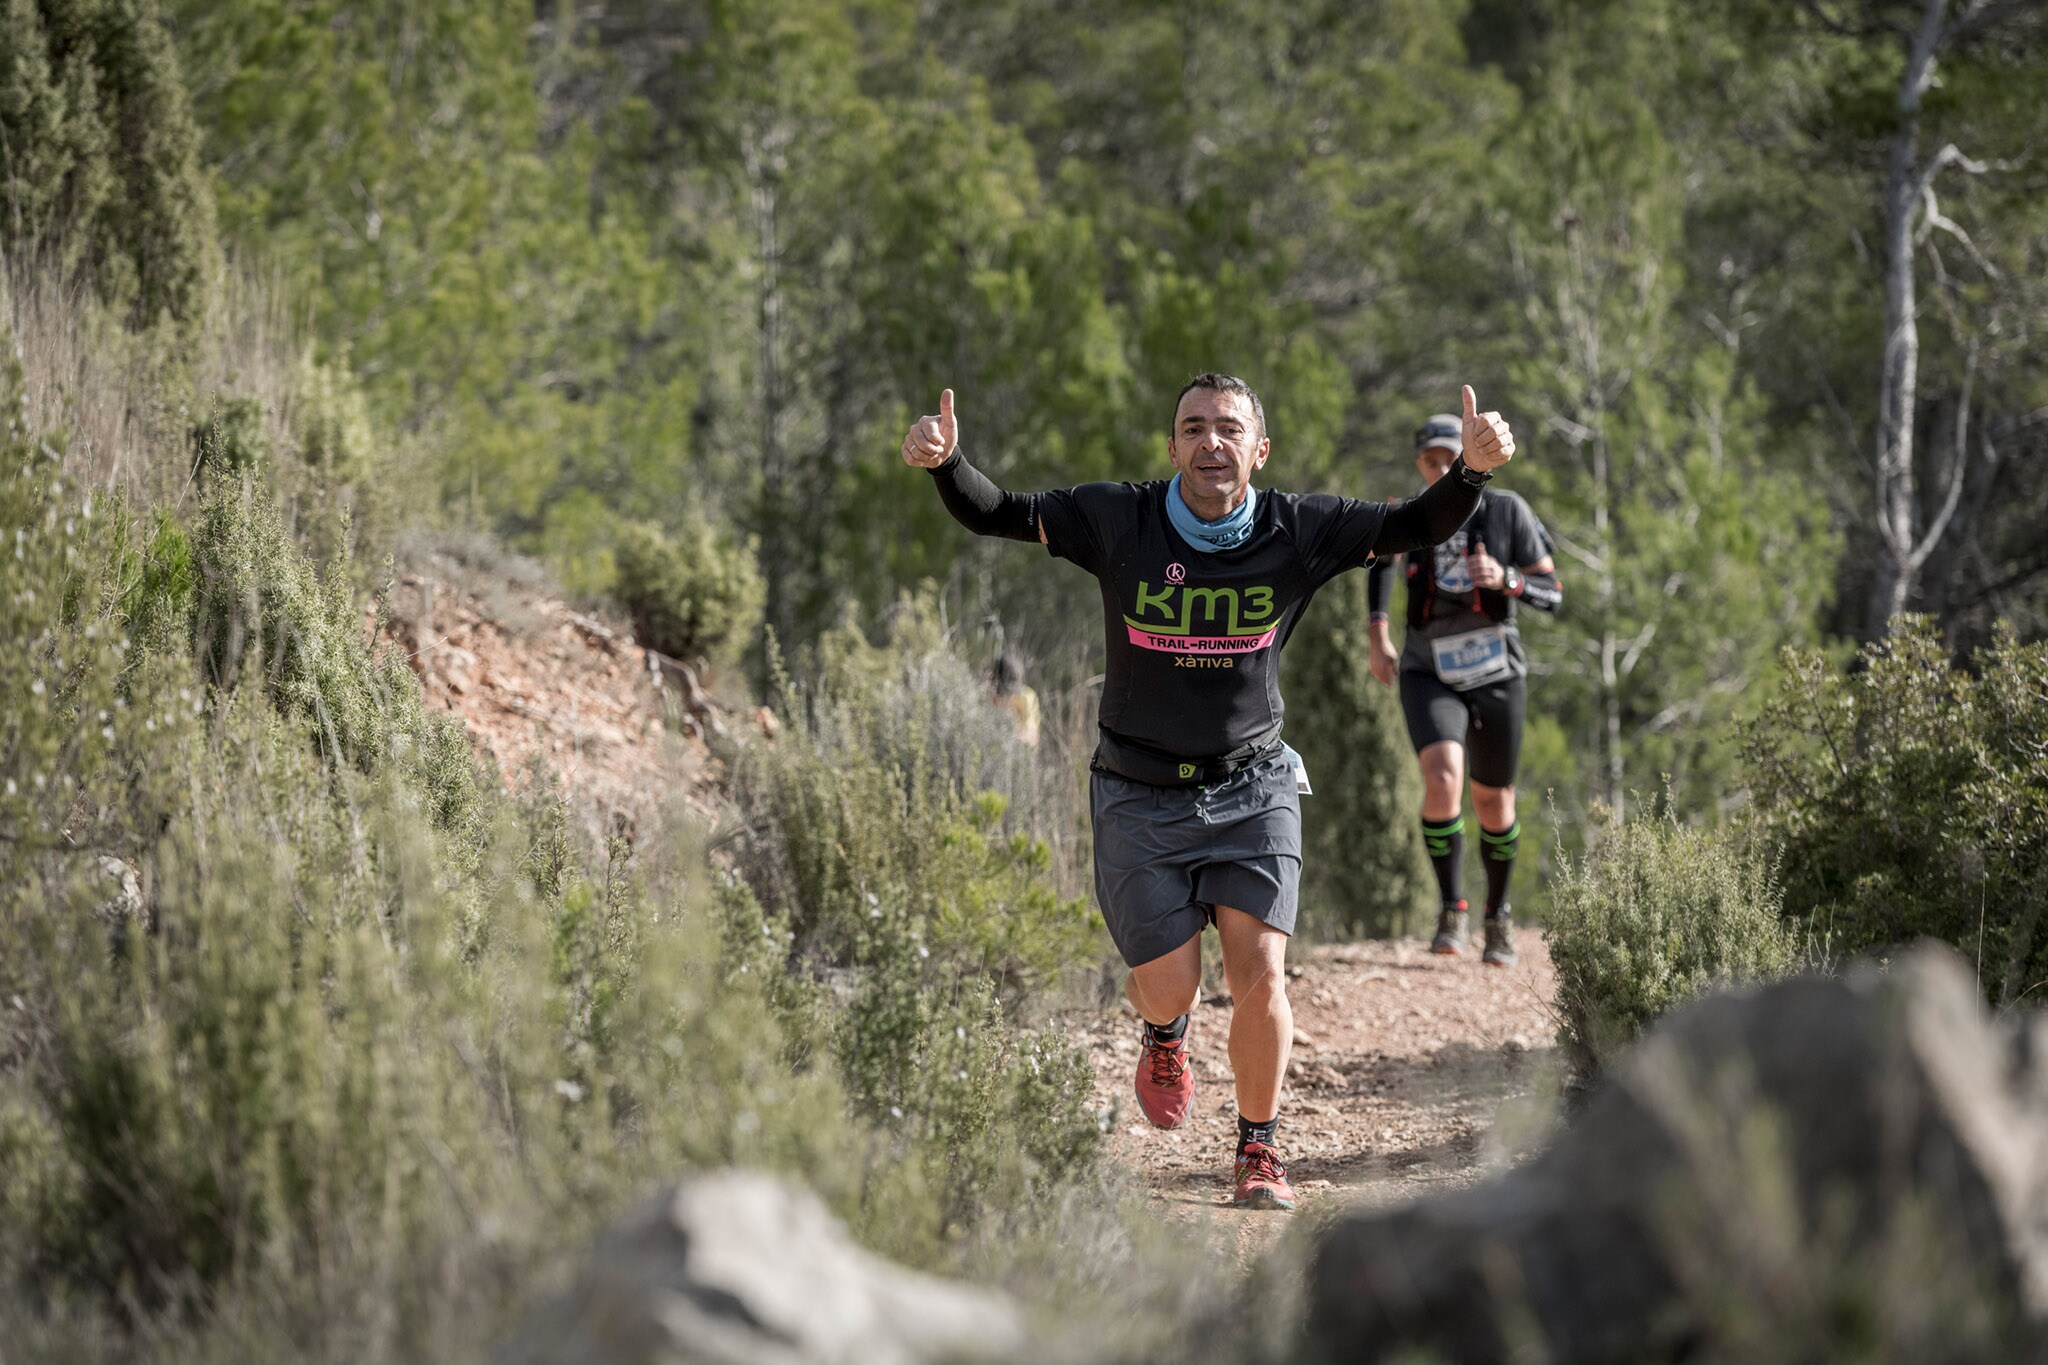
{"x": 1824, "y": 1169}
{"x": 741, "y": 1267}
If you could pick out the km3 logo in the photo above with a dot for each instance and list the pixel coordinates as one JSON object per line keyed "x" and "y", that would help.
{"x": 1173, "y": 610}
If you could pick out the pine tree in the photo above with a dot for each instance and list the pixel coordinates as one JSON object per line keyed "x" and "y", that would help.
{"x": 99, "y": 154}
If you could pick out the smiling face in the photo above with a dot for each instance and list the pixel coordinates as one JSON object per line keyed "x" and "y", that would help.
{"x": 1215, "y": 446}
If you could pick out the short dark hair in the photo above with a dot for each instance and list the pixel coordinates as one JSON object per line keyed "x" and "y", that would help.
{"x": 1220, "y": 383}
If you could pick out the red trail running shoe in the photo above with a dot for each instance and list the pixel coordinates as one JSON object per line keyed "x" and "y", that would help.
{"x": 1261, "y": 1179}
{"x": 1166, "y": 1083}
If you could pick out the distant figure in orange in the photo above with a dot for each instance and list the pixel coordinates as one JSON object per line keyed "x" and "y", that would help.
{"x": 1016, "y": 696}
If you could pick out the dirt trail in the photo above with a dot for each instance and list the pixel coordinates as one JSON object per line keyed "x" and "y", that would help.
{"x": 1409, "y": 1072}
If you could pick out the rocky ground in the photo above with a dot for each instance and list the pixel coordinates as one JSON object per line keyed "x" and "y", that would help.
{"x": 1410, "y": 1072}
{"x": 527, "y": 675}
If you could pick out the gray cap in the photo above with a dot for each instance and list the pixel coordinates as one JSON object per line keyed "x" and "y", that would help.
{"x": 1446, "y": 429}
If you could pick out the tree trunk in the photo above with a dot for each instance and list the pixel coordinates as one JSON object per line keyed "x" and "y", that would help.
{"x": 1898, "y": 520}
{"x": 1610, "y": 642}
{"x": 762, "y": 162}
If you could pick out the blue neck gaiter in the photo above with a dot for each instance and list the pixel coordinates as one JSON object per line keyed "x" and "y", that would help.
{"x": 1208, "y": 536}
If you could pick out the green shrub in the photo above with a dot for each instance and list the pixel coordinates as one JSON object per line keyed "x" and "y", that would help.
{"x": 259, "y": 607}
{"x": 1657, "y": 914}
{"x": 697, "y": 595}
{"x": 317, "y": 1046}
{"x": 87, "y": 720}
{"x": 346, "y": 486}
{"x": 1909, "y": 798}
{"x": 231, "y": 441}
{"x": 877, "y": 867}
{"x": 314, "y": 1074}
{"x": 158, "y": 583}
{"x": 993, "y": 1114}
{"x": 896, "y": 776}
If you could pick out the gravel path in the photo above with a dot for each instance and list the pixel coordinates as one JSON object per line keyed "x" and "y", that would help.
{"x": 1409, "y": 1072}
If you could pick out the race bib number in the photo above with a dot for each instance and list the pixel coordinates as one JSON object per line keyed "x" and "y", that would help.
{"x": 1473, "y": 659}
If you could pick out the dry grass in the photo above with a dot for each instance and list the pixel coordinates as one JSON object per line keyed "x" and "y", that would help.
{"x": 125, "y": 399}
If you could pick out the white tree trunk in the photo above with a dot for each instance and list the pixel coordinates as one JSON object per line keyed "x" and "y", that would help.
{"x": 763, "y": 158}
{"x": 1900, "y": 551}
{"x": 1605, "y": 592}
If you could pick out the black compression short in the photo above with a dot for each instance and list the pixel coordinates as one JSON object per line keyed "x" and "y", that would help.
{"x": 1486, "y": 720}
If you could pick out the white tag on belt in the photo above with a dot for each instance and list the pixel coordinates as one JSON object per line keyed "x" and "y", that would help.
{"x": 1301, "y": 786}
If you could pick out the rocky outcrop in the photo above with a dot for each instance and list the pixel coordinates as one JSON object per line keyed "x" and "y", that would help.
{"x": 1820, "y": 1165}
{"x": 739, "y": 1268}
{"x": 493, "y": 644}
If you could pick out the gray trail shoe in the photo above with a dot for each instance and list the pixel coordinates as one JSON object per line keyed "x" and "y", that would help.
{"x": 1500, "y": 940}
{"x": 1450, "y": 930}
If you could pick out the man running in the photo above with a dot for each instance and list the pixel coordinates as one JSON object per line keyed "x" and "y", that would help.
{"x": 1192, "y": 796}
{"x": 1462, "y": 675}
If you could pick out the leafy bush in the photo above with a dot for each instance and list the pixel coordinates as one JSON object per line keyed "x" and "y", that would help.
{"x": 1657, "y": 914}
{"x": 260, "y": 606}
{"x": 291, "y": 993}
{"x": 697, "y": 595}
{"x": 231, "y": 442}
{"x": 345, "y": 487}
{"x": 317, "y": 1046}
{"x": 1909, "y": 798}
{"x": 876, "y": 864}
{"x": 897, "y": 776}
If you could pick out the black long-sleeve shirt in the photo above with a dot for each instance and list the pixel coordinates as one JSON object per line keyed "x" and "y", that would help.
{"x": 1192, "y": 636}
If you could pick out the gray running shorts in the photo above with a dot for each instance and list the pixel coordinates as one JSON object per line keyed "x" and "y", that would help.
{"x": 1166, "y": 857}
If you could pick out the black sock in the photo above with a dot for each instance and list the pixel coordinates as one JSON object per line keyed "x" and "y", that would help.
{"x": 1497, "y": 852}
{"x": 1168, "y": 1033}
{"x": 1445, "y": 841}
{"x": 1248, "y": 1132}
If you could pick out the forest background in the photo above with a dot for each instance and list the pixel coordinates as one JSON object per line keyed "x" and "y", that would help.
{"x": 648, "y": 292}
{"x": 695, "y": 266}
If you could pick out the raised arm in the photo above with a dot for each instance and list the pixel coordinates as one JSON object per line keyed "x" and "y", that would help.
{"x": 933, "y": 444}
{"x": 1432, "y": 518}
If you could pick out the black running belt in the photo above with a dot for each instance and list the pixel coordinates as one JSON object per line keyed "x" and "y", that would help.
{"x": 1142, "y": 763}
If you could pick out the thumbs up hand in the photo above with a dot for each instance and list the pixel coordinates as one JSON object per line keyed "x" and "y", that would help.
{"x": 1489, "y": 443}
{"x": 1486, "y": 571}
{"x": 933, "y": 437}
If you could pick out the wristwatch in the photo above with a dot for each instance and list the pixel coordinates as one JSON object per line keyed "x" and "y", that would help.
{"x": 1511, "y": 580}
{"x": 1470, "y": 477}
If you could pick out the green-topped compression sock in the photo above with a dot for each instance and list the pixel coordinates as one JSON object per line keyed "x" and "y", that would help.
{"x": 1497, "y": 852}
{"x": 1445, "y": 842}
